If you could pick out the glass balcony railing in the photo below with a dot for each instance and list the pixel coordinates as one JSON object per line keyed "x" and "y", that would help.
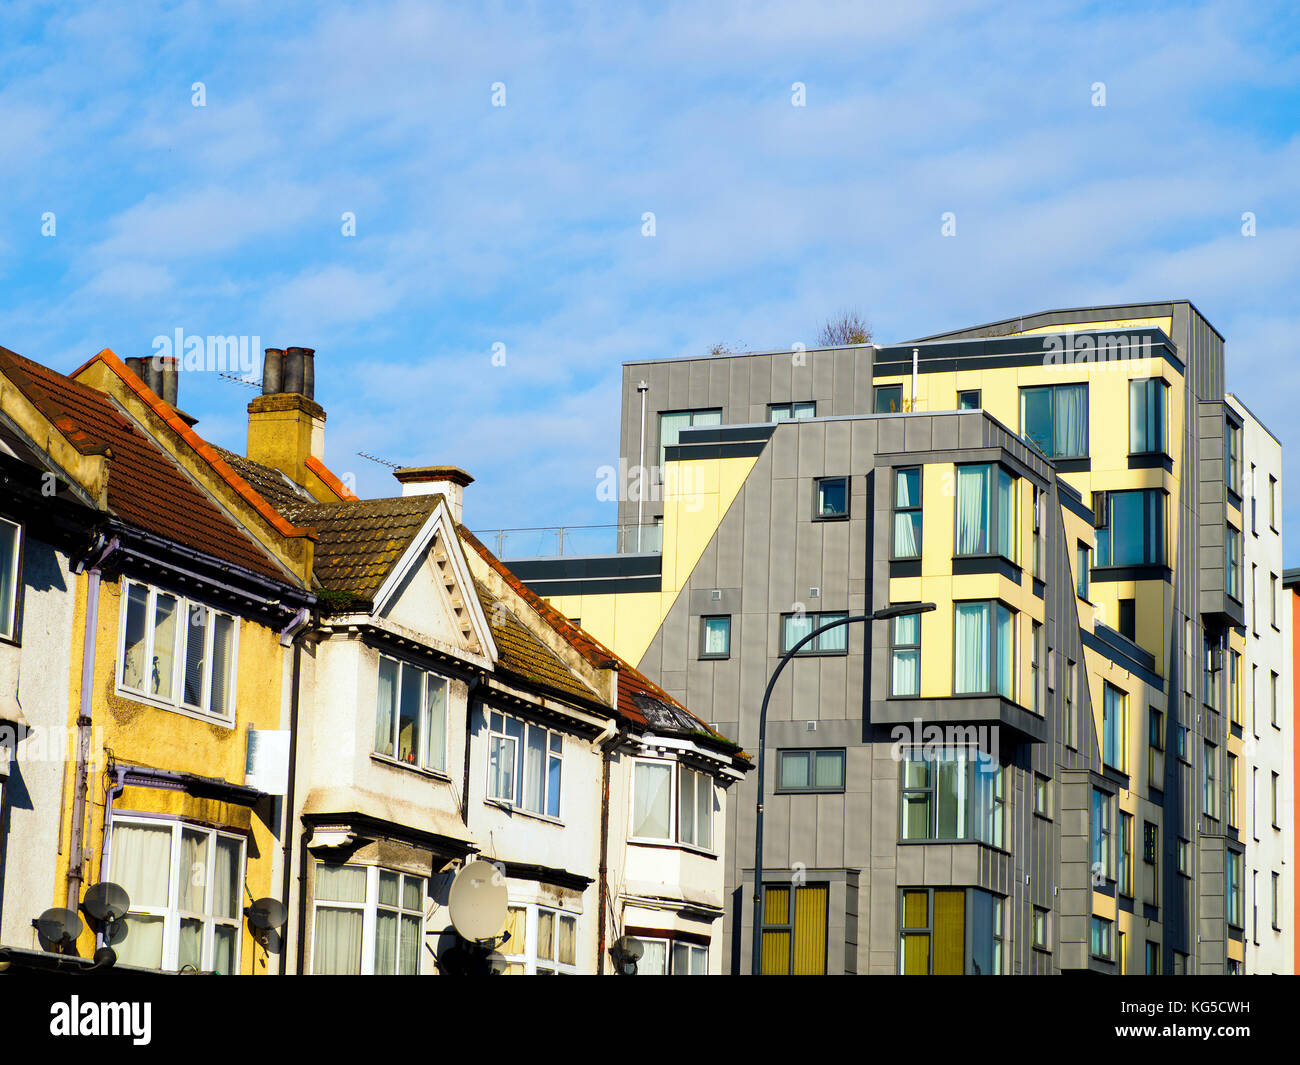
{"x": 557, "y": 540}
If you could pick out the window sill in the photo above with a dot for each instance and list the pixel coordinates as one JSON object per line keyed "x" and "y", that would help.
{"x": 395, "y": 763}
{"x": 667, "y": 844}
{"x": 184, "y": 711}
{"x": 831, "y": 517}
{"x": 1149, "y": 460}
{"x": 987, "y": 563}
{"x": 511, "y": 808}
{"x": 808, "y": 791}
{"x": 715, "y": 658}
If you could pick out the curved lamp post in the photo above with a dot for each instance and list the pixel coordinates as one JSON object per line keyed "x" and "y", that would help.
{"x": 884, "y": 613}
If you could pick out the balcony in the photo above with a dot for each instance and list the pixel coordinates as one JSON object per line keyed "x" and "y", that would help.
{"x": 558, "y": 541}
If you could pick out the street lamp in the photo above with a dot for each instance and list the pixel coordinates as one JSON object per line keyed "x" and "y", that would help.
{"x": 884, "y": 613}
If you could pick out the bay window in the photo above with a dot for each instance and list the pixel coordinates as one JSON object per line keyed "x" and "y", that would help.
{"x": 525, "y": 764}
{"x": 177, "y": 652}
{"x": 1131, "y": 531}
{"x": 10, "y": 541}
{"x": 907, "y": 513}
{"x": 542, "y": 941}
{"x": 1054, "y": 418}
{"x": 672, "y": 957}
{"x": 1232, "y": 456}
{"x": 411, "y": 715}
{"x": 1232, "y": 563}
{"x": 984, "y": 655}
{"x": 1103, "y": 853}
{"x": 949, "y": 932}
{"x": 986, "y": 511}
{"x": 367, "y": 921}
{"x": 655, "y": 814}
{"x": 951, "y": 794}
{"x": 186, "y": 885}
{"x": 1146, "y": 416}
{"x": 1233, "y": 889}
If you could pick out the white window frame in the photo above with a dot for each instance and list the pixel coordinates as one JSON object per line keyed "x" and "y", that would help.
{"x": 9, "y": 610}
{"x": 370, "y": 913}
{"x": 499, "y": 739}
{"x": 533, "y": 965}
{"x": 171, "y": 913}
{"x": 671, "y": 944}
{"x": 427, "y": 677}
{"x": 185, "y": 608}
{"x": 674, "y": 837}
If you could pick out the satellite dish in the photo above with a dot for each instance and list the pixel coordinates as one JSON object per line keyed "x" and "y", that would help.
{"x": 496, "y": 962}
{"x": 266, "y": 915}
{"x": 478, "y": 901}
{"x": 106, "y": 902}
{"x": 59, "y": 926}
{"x": 627, "y": 951}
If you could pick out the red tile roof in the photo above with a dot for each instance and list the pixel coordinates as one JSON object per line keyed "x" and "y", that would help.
{"x": 635, "y": 690}
{"x": 146, "y": 487}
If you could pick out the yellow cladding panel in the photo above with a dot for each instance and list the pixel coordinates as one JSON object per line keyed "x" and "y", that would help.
{"x": 697, "y": 496}
{"x": 141, "y": 734}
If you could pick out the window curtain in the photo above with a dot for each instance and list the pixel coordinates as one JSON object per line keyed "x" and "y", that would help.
{"x": 142, "y": 865}
{"x": 1006, "y": 515}
{"x": 385, "y": 942}
{"x": 554, "y": 769}
{"x": 716, "y": 632}
{"x": 408, "y": 719}
{"x": 1070, "y": 437}
{"x": 810, "y": 931}
{"x": 386, "y": 707}
{"x": 972, "y": 510}
{"x": 971, "y": 665}
{"x": 435, "y": 756}
{"x": 336, "y": 941}
{"x": 703, "y": 811}
{"x": 686, "y": 806}
{"x": 836, "y": 639}
{"x": 949, "y": 933}
{"x": 1146, "y": 401}
{"x": 133, "y": 651}
{"x": 535, "y": 770}
{"x": 951, "y": 793}
{"x": 829, "y": 772}
{"x": 906, "y": 660}
{"x": 652, "y": 786}
{"x": 8, "y": 568}
{"x": 196, "y": 638}
{"x": 194, "y": 871}
{"x": 1006, "y": 653}
{"x": 795, "y": 769}
{"x": 907, "y": 525}
{"x": 797, "y": 626}
{"x": 166, "y": 612}
{"x": 986, "y": 812}
{"x": 654, "y": 958}
{"x": 223, "y": 651}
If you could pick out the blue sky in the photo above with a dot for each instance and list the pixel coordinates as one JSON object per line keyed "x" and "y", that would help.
{"x": 521, "y": 225}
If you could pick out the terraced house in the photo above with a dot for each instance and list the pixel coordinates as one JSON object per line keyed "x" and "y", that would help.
{"x": 1026, "y": 755}
{"x": 289, "y": 701}
{"x": 154, "y": 625}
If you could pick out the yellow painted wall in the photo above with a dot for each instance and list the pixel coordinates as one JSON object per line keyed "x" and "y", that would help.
{"x": 139, "y": 733}
{"x": 697, "y": 496}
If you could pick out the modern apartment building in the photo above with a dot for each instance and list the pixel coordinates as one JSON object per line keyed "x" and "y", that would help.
{"x": 1034, "y": 761}
{"x": 1260, "y": 705}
